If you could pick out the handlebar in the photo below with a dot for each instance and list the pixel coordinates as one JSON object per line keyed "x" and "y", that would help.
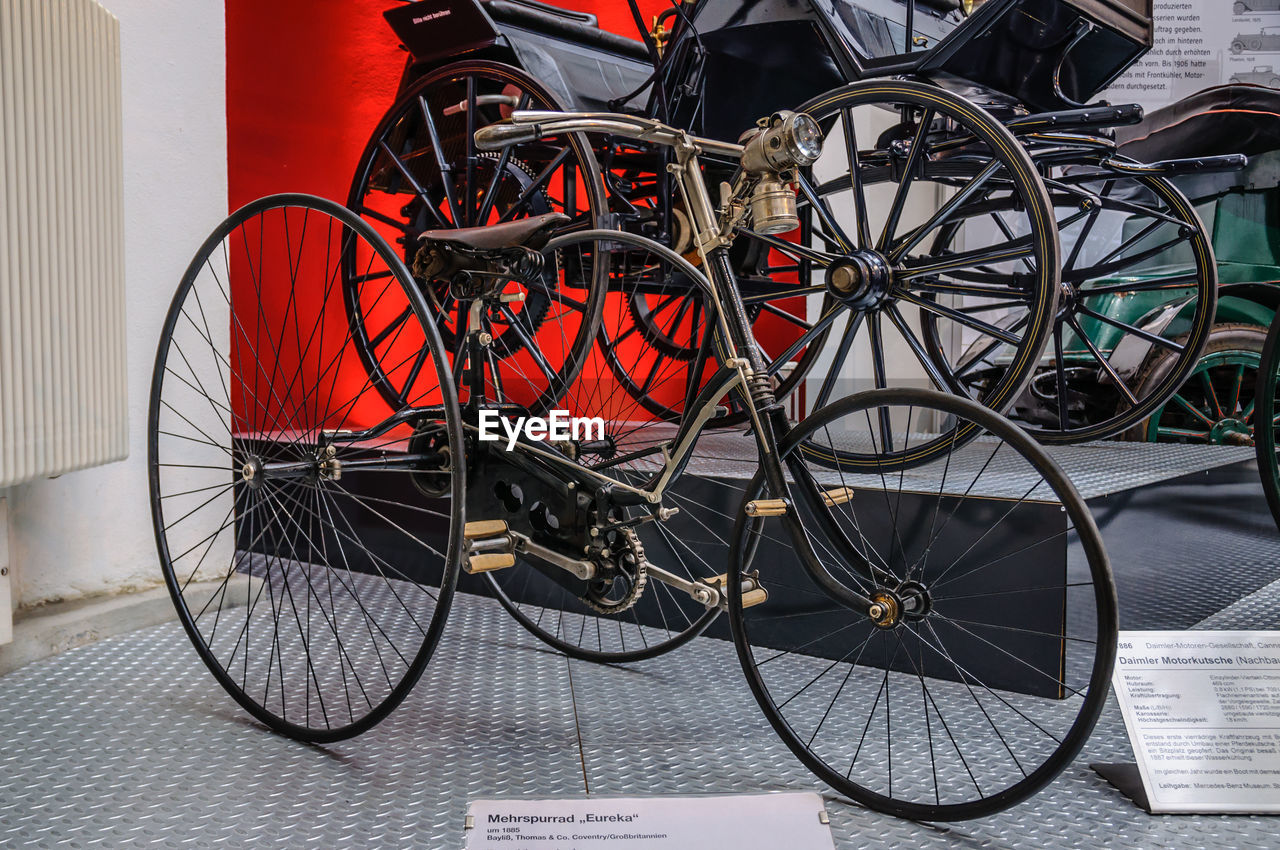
{"x": 531, "y": 125}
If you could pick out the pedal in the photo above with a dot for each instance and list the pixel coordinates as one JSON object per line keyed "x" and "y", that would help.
{"x": 838, "y": 496}
{"x": 766, "y": 507}
{"x": 484, "y": 528}
{"x": 752, "y": 592}
{"x": 489, "y": 562}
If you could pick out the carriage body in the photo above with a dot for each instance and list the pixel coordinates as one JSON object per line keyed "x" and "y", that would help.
{"x": 1029, "y": 55}
{"x": 1037, "y": 55}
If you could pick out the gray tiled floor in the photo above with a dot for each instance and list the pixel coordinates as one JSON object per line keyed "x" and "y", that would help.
{"x": 129, "y": 742}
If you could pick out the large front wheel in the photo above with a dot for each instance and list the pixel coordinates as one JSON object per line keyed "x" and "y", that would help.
{"x": 982, "y": 667}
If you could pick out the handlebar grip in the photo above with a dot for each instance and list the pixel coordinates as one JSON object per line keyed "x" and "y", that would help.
{"x": 498, "y": 136}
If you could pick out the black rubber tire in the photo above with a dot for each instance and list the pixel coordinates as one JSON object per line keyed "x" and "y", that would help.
{"x": 402, "y": 676}
{"x": 1265, "y": 404}
{"x": 1021, "y": 173}
{"x": 1151, "y": 393}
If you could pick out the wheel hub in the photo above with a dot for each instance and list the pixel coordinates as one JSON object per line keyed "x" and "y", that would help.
{"x": 891, "y": 608}
{"x": 251, "y": 472}
{"x": 862, "y": 279}
{"x": 1231, "y": 432}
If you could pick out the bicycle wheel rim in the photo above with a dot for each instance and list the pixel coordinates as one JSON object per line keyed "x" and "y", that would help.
{"x": 929, "y": 800}
{"x": 289, "y": 590}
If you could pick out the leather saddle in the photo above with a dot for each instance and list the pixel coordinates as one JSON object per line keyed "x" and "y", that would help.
{"x": 532, "y": 233}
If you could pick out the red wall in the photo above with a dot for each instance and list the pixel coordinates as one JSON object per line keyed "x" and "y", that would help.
{"x": 307, "y": 82}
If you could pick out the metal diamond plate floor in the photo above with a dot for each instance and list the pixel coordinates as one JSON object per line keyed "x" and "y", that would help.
{"x": 129, "y": 742}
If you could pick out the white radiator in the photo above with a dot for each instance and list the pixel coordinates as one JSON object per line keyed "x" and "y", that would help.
{"x": 62, "y": 324}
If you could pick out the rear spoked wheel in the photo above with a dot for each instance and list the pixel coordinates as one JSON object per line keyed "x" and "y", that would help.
{"x": 309, "y": 569}
{"x": 1139, "y": 288}
{"x": 422, "y": 171}
{"x": 622, "y": 618}
{"x": 989, "y": 656}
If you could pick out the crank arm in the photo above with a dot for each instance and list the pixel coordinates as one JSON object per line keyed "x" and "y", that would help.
{"x": 703, "y": 594}
{"x": 713, "y": 592}
{"x": 584, "y": 570}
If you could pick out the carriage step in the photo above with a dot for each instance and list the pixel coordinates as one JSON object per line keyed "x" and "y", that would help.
{"x": 752, "y": 592}
{"x": 489, "y": 561}
{"x": 766, "y": 507}
{"x": 484, "y": 528}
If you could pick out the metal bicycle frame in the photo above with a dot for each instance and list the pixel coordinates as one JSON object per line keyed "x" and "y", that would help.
{"x": 742, "y": 369}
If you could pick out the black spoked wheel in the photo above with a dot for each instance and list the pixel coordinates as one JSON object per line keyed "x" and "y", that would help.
{"x": 901, "y": 163}
{"x": 421, "y": 171}
{"x": 987, "y": 659}
{"x": 1215, "y": 404}
{"x": 1267, "y": 417}
{"x": 312, "y": 556}
{"x": 653, "y": 336}
{"x": 1139, "y": 287}
{"x": 659, "y": 348}
{"x": 628, "y": 615}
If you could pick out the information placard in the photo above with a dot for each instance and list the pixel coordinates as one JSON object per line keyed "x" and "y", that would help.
{"x": 796, "y": 821}
{"x": 1203, "y": 714}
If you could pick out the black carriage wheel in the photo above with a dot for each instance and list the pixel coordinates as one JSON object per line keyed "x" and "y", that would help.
{"x": 421, "y": 171}
{"x": 993, "y": 657}
{"x": 691, "y": 543}
{"x": 1148, "y": 294}
{"x": 891, "y": 276}
{"x": 1264, "y": 431}
{"x": 313, "y": 583}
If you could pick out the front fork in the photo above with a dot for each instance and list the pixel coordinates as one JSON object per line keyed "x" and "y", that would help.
{"x": 769, "y": 423}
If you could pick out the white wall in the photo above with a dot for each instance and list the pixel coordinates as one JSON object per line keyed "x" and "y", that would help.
{"x": 90, "y": 532}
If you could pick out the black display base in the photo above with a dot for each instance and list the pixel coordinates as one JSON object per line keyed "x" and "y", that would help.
{"x": 1127, "y": 780}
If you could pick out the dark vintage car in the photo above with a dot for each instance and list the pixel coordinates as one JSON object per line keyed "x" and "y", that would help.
{"x": 1266, "y": 40}
{"x": 1244, "y": 7}
{"x": 1261, "y": 75}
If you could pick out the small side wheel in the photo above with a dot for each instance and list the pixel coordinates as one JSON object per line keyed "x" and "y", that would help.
{"x": 1216, "y": 403}
{"x": 1267, "y": 416}
{"x": 311, "y": 565}
{"x": 984, "y": 658}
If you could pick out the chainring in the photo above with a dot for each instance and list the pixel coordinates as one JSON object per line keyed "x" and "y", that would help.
{"x": 635, "y": 569}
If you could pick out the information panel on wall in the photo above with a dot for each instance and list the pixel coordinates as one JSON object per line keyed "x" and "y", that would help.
{"x": 1204, "y": 43}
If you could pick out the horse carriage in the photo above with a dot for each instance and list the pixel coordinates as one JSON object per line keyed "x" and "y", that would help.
{"x": 1060, "y": 334}
{"x": 1215, "y": 403}
{"x": 554, "y": 219}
